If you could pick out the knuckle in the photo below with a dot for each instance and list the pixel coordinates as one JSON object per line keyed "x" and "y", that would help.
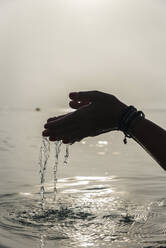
{"x": 50, "y": 119}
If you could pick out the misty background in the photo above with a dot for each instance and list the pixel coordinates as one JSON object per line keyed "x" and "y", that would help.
{"x": 49, "y": 48}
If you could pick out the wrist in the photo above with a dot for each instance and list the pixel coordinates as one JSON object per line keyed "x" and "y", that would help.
{"x": 120, "y": 110}
{"x": 129, "y": 120}
{"x": 137, "y": 127}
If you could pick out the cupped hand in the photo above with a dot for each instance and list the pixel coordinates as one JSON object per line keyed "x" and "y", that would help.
{"x": 96, "y": 112}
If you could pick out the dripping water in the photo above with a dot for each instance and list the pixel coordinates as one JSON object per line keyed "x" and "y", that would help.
{"x": 43, "y": 159}
{"x": 57, "y": 152}
{"x": 66, "y": 157}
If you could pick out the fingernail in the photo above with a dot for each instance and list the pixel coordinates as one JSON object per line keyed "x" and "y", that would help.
{"x": 65, "y": 141}
{"x": 43, "y": 133}
{"x": 72, "y": 95}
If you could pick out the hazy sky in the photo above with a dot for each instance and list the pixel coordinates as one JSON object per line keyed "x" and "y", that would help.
{"x": 48, "y": 48}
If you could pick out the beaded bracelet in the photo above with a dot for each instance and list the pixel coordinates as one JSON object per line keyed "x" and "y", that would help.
{"x": 128, "y": 119}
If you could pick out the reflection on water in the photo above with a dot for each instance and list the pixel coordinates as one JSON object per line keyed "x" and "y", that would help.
{"x": 89, "y": 212}
{"x": 118, "y": 199}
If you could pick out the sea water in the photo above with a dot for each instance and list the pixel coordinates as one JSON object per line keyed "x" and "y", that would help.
{"x": 111, "y": 196}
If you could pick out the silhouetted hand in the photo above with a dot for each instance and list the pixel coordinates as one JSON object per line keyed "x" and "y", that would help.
{"x": 96, "y": 113}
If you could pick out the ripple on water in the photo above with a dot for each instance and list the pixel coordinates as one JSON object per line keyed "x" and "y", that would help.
{"x": 95, "y": 215}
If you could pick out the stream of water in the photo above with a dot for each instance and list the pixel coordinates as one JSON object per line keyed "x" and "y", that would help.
{"x": 43, "y": 160}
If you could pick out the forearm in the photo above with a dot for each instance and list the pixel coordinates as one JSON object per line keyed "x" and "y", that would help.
{"x": 152, "y": 138}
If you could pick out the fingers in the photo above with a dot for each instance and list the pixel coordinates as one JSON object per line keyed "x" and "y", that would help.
{"x": 55, "y": 118}
{"x": 85, "y": 96}
{"x": 70, "y": 137}
{"x": 79, "y": 104}
{"x": 60, "y": 132}
{"x": 67, "y": 127}
{"x": 51, "y": 138}
{"x": 67, "y": 136}
{"x": 55, "y": 131}
{"x": 65, "y": 119}
{"x": 69, "y": 119}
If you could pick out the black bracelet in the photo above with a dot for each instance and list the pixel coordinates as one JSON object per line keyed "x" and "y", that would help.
{"x": 128, "y": 119}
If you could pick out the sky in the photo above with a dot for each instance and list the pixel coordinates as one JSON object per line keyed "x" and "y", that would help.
{"x": 49, "y": 48}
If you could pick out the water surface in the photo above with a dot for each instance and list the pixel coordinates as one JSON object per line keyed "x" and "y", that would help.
{"x": 109, "y": 195}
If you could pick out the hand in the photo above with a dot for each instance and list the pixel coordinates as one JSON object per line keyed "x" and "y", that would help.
{"x": 96, "y": 113}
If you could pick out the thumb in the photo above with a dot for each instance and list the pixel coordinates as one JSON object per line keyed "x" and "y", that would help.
{"x": 86, "y": 96}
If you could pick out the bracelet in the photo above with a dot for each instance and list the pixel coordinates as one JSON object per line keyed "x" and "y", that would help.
{"x": 127, "y": 121}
